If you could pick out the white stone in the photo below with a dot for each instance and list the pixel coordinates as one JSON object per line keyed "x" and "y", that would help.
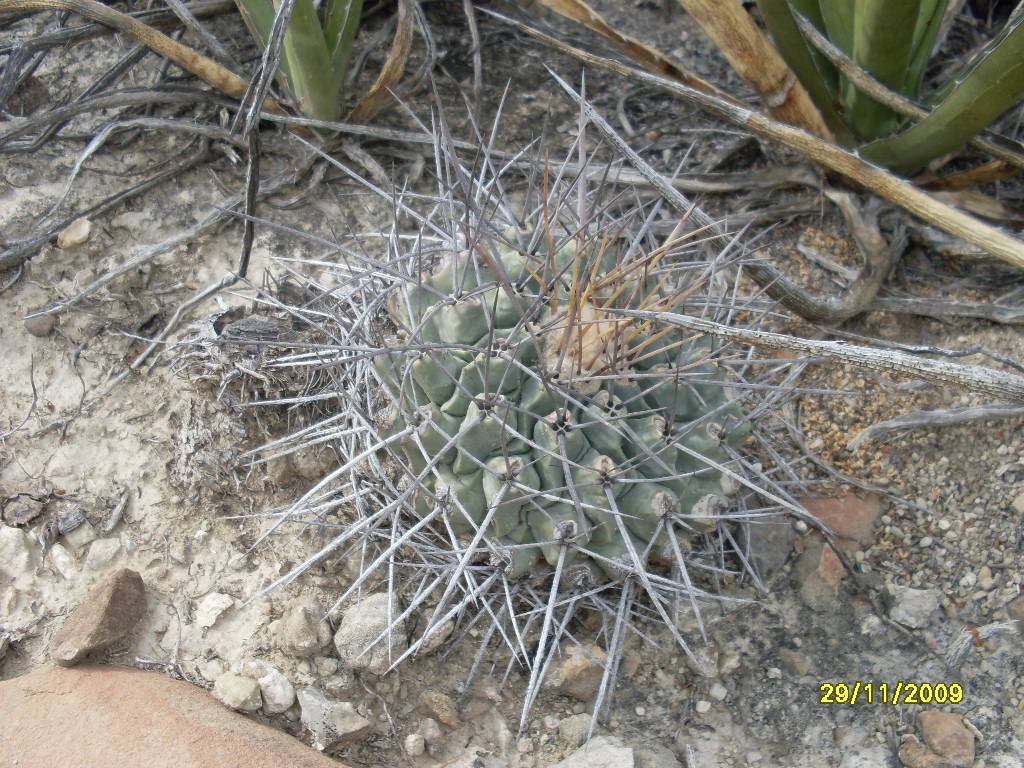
{"x": 75, "y": 233}
{"x": 718, "y": 691}
{"x": 328, "y": 721}
{"x": 364, "y": 622}
{"x": 211, "y": 669}
{"x": 81, "y": 536}
{"x": 210, "y": 607}
{"x": 237, "y": 692}
{"x": 415, "y": 745}
{"x": 326, "y": 666}
{"x": 600, "y": 752}
{"x": 278, "y": 693}
{"x": 15, "y": 552}
{"x": 703, "y": 707}
{"x": 914, "y": 607}
{"x": 651, "y": 754}
{"x": 63, "y": 561}
{"x": 430, "y": 730}
{"x": 102, "y": 553}
{"x": 1018, "y": 504}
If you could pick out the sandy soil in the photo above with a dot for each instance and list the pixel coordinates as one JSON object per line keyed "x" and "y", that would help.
{"x": 160, "y": 451}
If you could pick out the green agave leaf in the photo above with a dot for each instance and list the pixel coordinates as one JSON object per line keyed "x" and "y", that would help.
{"x": 815, "y": 72}
{"x": 992, "y": 84}
{"x": 928, "y": 23}
{"x": 883, "y": 38}
{"x": 340, "y": 26}
{"x": 317, "y": 92}
{"x": 306, "y": 72}
{"x": 838, "y": 17}
{"x": 258, "y": 16}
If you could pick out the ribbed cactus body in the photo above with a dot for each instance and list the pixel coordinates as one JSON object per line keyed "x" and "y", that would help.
{"x": 571, "y": 427}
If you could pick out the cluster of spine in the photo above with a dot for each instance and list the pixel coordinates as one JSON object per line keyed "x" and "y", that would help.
{"x": 531, "y": 414}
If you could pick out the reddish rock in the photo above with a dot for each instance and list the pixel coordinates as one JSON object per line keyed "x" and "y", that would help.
{"x": 95, "y": 717}
{"x": 107, "y": 615}
{"x": 578, "y": 673}
{"x": 852, "y": 517}
{"x": 914, "y": 754}
{"x": 819, "y": 572}
{"x": 440, "y": 706}
{"x": 947, "y": 736}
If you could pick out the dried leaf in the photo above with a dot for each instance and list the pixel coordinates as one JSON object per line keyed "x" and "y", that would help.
{"x": 221, "y": 78}
{"x": 379, "y": 95}
{"x": 643, "y": 54}
{"x": 994, "y": 170}
{"x": 757, "y": 61}
{"x": 982, "y": 205}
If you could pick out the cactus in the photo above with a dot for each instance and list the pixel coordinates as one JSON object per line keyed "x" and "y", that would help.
{"x": 544, "y": 420}
{"x": 512, "y": 451}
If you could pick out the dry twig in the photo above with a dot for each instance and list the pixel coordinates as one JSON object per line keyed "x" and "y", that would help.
{"x": 892, "y": 188}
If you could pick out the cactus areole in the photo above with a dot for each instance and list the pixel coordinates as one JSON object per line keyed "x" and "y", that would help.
{"x": 534, "y": 417}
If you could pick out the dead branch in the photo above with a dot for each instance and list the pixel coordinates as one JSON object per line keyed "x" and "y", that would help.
{"x": 886, "y": 185}
{"x": 1005, "y": 386}
{"x": 221, "y": 78}
{"x": 942, "y": 309}
{"x": 929, "y": 419}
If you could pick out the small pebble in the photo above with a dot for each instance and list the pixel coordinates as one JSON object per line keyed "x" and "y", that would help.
{"x": 703, "y": 707}
{"x": 75, "y": 233}
{"x": 774, "y": 673}
{"x": 1018, "y": 504}
{"x": 640, "y": 711}
{"x": 40, "y": 325}
{"x": 415, "y": 745}
{"x": 718, "y": 691}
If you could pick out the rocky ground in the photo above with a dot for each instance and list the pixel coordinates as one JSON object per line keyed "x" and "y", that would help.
{"x": 125, "y": 539}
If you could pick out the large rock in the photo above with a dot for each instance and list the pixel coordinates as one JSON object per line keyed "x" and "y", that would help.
{"x": 94, "y": 717}
{"x": 106, "y": 617}
{"x": 364, "y": 622}
{"x": 600, "y": 752}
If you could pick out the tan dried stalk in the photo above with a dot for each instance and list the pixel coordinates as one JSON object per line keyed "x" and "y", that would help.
{"x": 757, "y": 61}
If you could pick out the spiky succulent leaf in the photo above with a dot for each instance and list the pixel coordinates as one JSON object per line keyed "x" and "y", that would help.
{"x": 991, "y": 84}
